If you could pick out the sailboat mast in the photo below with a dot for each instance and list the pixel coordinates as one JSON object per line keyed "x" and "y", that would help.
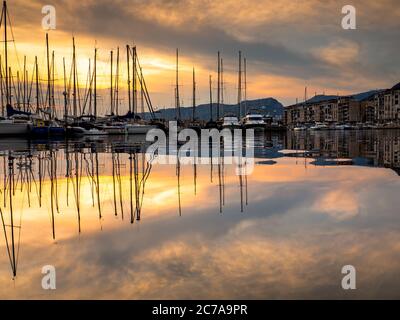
{"x": 222, "y": 86}
{"x": 211, "y": 111}
{"x": 111, "y": 90}
{"x": 177, "y": 103}
{"x": 117, "y": 84}
{"x": 74, "y": 77}
{"x": 194, "y": 95}
{"x": 48, "y": 70}
{"x": 8, "y": 96}
{"x": 65, "y": 94}
{"x": 240, "y": 86}
{"x": 37, "y": 85}
{"x": 129, "y": 77}
{"x": 1, "y": 87}
{"x": 90, "y": 90}
{"x": 18, "y": 89}
{"x": 134, "y": 79}
{"x": 95, "y": 84}
{"x": 53, "y": 109}
{"x": 219, "y": 84}
{"x": 245, "y": 85}
{"x": 24, "y": 85}
{"x": 141, "y": 94}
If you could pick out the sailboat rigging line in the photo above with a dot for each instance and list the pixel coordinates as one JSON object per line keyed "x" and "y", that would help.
{"x": 12, "y": 36}
{"x": 28, "y": 100}
{"x": 144, "y": 87}
{"x": 88, "y": 93}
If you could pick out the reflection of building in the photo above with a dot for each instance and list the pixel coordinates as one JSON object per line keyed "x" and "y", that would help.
{"x": 371, "y": 107}
{"x": 387, "y": 105}
{"x": 377, "y": 148}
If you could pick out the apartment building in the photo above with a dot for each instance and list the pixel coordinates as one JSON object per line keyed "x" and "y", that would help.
{"x": 379, "y": 106}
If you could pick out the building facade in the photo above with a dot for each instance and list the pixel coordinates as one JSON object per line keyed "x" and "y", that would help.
{"x": 378, "y": 107}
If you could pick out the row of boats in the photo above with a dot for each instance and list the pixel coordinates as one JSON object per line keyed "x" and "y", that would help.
{"x": 322, "y": 127}
{"x": 30, "y": 111}
{"x": 250, "y": 121}
{"x": 35, "y": 126}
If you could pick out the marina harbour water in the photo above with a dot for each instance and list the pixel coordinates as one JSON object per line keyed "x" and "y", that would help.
{"x": 115, "y": 225}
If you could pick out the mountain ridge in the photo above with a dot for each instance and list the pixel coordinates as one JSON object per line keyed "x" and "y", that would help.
{"x": 265, "y": 106}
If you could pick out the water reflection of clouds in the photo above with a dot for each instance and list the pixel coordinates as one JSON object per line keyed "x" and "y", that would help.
{"x": 300, "y": 227}
{"x": 242, "y": 263}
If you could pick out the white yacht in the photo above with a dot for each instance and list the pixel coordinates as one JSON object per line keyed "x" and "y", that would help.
{"x": 231, "y": 122}
{"x": 343, "y": 127}
{"x": 254, "y": 121}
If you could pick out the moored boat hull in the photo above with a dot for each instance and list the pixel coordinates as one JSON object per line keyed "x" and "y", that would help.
{"x": 138, "y": 128}
{"x": 231, "y": 126}
{"x": 255, "y": 127}
{"x": 10, "y": 128}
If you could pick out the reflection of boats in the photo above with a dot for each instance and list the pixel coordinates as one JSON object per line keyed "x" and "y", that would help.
{"x": 14, "y": 144}
{"x": 319, "y": 126}
{"x": 343, "y": 127}
{"x": 300, "y": 128}
{"x": 10, "y": 236}
{"x": 95, "y": 132}
{"x": 137, "y": 128}
{"x": 332, "y": 162}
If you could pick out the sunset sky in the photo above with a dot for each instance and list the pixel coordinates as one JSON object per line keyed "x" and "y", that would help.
{"x": 288, "y": 44}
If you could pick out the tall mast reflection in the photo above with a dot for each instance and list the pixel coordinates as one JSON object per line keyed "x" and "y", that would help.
{"x": 10, "y": 240}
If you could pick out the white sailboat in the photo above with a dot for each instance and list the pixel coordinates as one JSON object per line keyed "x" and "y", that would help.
{"x": 13, "y": 126}
{"x": 17, "y": 124}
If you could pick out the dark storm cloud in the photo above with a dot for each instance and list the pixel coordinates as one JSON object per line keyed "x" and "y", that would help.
{"x": 298, "y": 40}
{"x": 107, "y": 20}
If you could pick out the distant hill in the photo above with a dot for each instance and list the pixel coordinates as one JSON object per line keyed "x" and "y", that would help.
{"x": 358, "y": 96}
{"x": 268, "y": 106}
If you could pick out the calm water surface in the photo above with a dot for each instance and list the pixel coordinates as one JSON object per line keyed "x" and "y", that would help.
{"x": 118, "y": 227}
